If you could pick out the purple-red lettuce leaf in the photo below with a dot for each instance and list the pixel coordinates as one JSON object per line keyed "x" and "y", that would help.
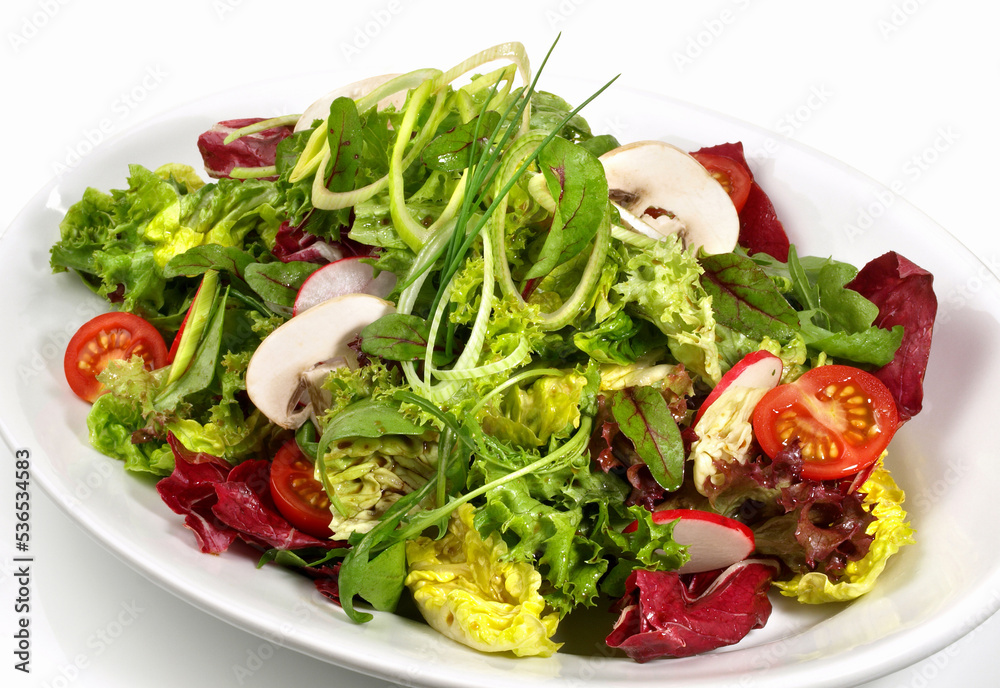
{"x": 252, "y": 150}
{"x": 904, "y": 294}
{"x": 661, "y": 616}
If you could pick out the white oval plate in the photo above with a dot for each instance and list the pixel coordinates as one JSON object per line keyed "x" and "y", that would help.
{"x": 930, "y": 595}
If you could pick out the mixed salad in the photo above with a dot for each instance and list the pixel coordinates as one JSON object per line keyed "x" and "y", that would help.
{"x": 435, "y": 337}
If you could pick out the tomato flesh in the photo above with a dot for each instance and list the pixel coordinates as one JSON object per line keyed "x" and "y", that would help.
{"x": 298, "y": 495}
{"x": 733, "y": 177}
{"x": 108, "y": 337}
{"x": 842, "y": 418}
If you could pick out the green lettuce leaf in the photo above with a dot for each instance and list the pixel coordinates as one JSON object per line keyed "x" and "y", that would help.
{"x": 468, "y": 589}
{"x": 121, "y": 242}
{"x": 113, "y": 423}
{"x": 663, "y": 285}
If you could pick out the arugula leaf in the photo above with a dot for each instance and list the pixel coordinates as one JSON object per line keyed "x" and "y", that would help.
{"x": 575, "y": 178}
{"x": 745, "y": 299}
{"x": 849, "y": 311}
{"x": 643, "y": 416}
{"x": 873, "y": 345}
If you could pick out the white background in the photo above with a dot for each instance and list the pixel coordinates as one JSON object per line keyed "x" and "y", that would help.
{"x": 904, "y": 91}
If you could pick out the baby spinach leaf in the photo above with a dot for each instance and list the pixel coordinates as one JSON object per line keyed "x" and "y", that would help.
{"x": 278, "y": 283}
{"x": 196, "y": 261}
{"x": 367, "y": 418}
{"x": 201, "y": 371}
{"x": 745, "y": 299}
{"x": 576, "y": 180}
{"x": 399, "y": 337}
{"x": 450, "y": 151}
{"x": 643, "y": 417}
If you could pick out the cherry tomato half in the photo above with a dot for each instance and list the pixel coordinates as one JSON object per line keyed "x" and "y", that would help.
{"x": 298, "y": 495}
{"x": 105, "y": 338}
{"x": 843, "y": 418}
{"x": 733, "y": 177}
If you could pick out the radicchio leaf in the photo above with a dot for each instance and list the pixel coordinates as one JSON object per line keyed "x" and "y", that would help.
{"x": 221, "y": 504}
{"x": 190, "y": 491}
{"x": 245, "y": 504}
{"x": 295, "y": 244}
{"x": 904, "y": 294}
{"x": 252, "y": 150}
{"x": 664, "y": 614}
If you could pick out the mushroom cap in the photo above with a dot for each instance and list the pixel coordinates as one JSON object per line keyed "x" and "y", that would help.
{"x": 662, "y": 190}
{"x": 276, "y": 375}
{"x": 321, "y": 107}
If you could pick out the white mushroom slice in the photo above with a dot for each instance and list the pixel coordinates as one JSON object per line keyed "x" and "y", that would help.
{"x": 317, "y": 336}
{"x": 665, "y": 189}
{"x": 321, "y": 108}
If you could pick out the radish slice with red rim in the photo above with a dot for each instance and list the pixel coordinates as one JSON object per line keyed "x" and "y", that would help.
{"x": 757, "y": 370}
{"x": 713, "y": 541}
{"x": 346, "y": 276}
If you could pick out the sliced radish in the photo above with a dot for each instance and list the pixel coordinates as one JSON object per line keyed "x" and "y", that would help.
{"x": 345, "y": 276}
{"x": 713, "y": 541}
{"x": 757, "y": 370}
{"x": 321, "y": 108}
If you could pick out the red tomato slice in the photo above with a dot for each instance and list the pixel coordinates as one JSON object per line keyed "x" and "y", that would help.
{"x": 843, "y": 418}
{"x": 107, "y": 337}
{"x": 733, "y": 177}
{"x": 298, "y": 495}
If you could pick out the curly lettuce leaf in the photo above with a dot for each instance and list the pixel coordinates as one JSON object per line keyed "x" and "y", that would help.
{"x": 120, "y": 242}
{"x": 663, "y": 285}
{"x": 547, "y": 409}
{"x": 114, "y": 424}
{"x": 890, "y": 530}
{"x": 467, "y": 589}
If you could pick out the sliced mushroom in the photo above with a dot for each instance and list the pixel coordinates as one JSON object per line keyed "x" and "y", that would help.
{"x": 661, "y": 190}
{"x": 321, "y": 108}
{"x": 282, "y": 369}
